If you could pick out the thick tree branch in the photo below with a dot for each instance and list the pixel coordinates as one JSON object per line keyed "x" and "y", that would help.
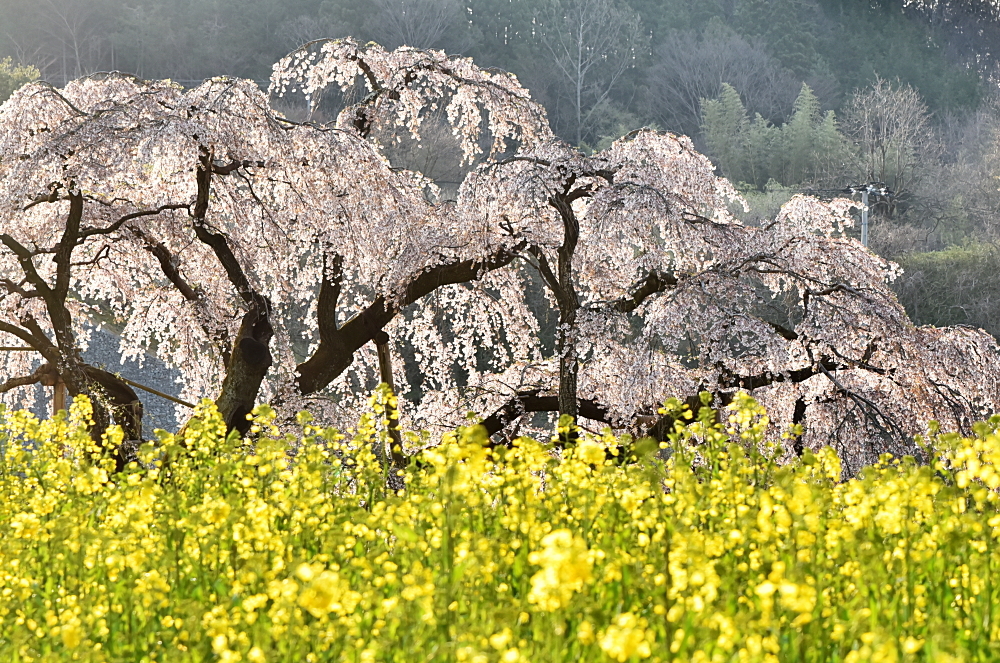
{"x": 329, "y": 295}
{"x": 25, "y": 259}
{"x": 40, "y": 340}
{"x": 226, "y": 169}
{"x": 64, "y": 250}
{"x": 544, "y": 270}
{"x": 114, "y": 227}
{"x": 872, "y": 411}
{"x": 38, "y": 375}
{"x": 50, "y": 197}
{"x": 782, "y": 331}
{"x": 569, "y": 302}
{"x": 15, "y": 288}
{"x": 218, "y": 242}
{"x": 531, "y": 401}
{"x": 654, "y": 282}
{"x": 33, "y": 335}
{"x": 728, "y": 381}
{"x": 338, "y": 344}
{"x": 606, "y": 174}
{"x": 251, "y": 356}
{"x": 168, "y": 265}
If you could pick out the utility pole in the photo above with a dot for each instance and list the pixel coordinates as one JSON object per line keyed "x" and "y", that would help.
{"x": 877, "y": 188}
{"x": 864, "y": 218}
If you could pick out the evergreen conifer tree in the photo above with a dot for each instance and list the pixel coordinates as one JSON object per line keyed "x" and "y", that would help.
{"x": 725, "y": 126}
{"x": 799, "y": 137}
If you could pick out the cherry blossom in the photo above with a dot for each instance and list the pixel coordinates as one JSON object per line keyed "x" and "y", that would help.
{"x": 264, "y": 258}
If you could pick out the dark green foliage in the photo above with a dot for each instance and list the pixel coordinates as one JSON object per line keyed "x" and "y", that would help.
{"x": 786, "y": 26}
{"x": 809, "y": 148}
{"x": 726, "y": 127}
{"x": 956, "y": 286}
{"x": 865, "y": 39}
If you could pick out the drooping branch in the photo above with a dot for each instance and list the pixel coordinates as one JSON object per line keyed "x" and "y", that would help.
{"x": 872, "y": 411}
{"x": 406, "y": 74}
{"x": 837, "y": 287}
{"x": 39, "y": 375}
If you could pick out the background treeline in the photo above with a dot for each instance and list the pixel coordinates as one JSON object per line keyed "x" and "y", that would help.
{"x": 640, "y": 61}
{"x": 784, "y": 95}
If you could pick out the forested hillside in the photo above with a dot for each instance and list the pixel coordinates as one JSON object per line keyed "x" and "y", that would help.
{"x": 783, "y": 95}
{"x": 642, "y": 61}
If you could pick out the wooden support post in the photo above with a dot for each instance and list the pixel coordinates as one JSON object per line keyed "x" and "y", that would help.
{"x": 396, "y": 456}
{"x": 58, "y": 396}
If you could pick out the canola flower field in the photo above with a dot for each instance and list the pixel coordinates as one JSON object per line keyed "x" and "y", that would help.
{"x": 291, "y": 549}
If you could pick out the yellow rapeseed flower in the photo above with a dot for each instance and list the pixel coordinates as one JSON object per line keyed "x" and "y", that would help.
{"x": 566, "y": 567}
{"x": 327, "y": 593}
{"x": 625, "y": 638}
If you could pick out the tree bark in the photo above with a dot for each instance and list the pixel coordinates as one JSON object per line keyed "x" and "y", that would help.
{"x": 250, "y": 358}
{"x": 249, "y": 362}
{"x": 569, "y": 303}
{"x": 530, "y": 401}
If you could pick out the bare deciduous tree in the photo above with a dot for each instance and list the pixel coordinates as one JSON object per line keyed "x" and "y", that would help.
{"x": 73, "y": 32}
{"x": 891, "y": 126}
{"x": 592, "y": 43}
{"x": 295, "y": 32}
{"x": 687, "y": 69}
{"x": 415, "y": 23}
